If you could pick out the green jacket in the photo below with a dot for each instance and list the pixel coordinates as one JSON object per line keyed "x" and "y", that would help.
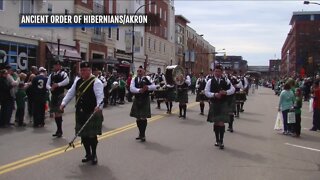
{"x": 21, "y": 97}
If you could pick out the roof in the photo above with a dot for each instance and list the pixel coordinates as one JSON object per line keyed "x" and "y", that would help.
{"x": 182, "y": 17}
{"x": 303, "y": 15}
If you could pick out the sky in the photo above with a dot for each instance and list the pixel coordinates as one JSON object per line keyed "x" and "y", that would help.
{"x": 255, "y": 30}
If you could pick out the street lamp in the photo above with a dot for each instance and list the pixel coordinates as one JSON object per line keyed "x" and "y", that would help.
{"x": 308, "y": 2}
{"x": 132, "y": 48}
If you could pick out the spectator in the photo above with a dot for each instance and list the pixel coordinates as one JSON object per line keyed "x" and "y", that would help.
{"x": 286, "y": 103}
{"x": 21, "y": 103}
{"x": 316, "y": 107}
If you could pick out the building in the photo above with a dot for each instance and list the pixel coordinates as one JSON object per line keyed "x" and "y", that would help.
{"x": 26, "y": 47}
{"x": 235, "y": 62}
{"x": 180, "y": 41}
{"x": 300, "y": 54}
{"x": 159, "y": 40}
{"x": 274, "y": 68}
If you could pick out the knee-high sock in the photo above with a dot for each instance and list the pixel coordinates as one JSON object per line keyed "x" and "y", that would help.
{"x": 167, "y": 104}
{"x": 158, "y": 102}
{"x": 184, "y": 110}
{"x": 231, "y": 117}
{"x": 144, "y": 124}
{"x": 221, "y": 132}
{"x": 241, "y": 105}
{"x": 202, "y": 107}
{"x": 93, "y": 145}
{"x": 59, "y": 124}
{"x": 86, "y": 145}
{"x": 139, "y": 125}
{"x": 216, "y": 132}
{"x": 170, "y": 106}
{"x": 180, "y": 109}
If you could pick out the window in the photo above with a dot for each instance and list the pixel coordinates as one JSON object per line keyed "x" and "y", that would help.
{"x": 66, "y": 11}
{"x": 110, "y": 33}
{"x": 141, "y": 41}
{"x": 155, "y": 9}
{"x": 160, "y": 11}
{"x": 1, "y": 5}
{"x": 84, "y": 1}
{"x": 150, "y": 6}
{"x": 160, "y": 47}
{"x": 50, "y": 8}
{"x": 97, "y": 31}
{"x": 26, "y": 7}
{"x": 149, "y": 43}
{"x": 154, "y": 45}
{"x": 110, "y": 7}
{"x": 118, "y": 34}
{"x": 164, "y": 48}
{"x": 165, "y": 15}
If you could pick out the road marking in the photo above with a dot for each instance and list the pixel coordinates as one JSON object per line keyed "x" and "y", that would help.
{"x": 303, "y": 147}
{"x": 54, "y": 152}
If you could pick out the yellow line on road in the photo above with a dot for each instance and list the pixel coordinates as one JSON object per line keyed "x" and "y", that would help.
{"x": 45, "y": 155}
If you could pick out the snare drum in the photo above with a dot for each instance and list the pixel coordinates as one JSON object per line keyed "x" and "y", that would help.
{"x": 240, "y": 97}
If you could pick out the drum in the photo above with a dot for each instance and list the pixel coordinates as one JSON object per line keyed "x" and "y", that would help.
{"x": 160, "y": 94}
{"x": 240, "y": 97}
{"x": 175, "y": 75}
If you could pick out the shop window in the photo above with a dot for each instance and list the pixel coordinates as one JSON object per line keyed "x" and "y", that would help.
{"x": 27, "y": 7}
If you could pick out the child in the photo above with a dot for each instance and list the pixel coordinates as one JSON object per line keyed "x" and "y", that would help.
{"x": 20, "y": 100}
{"x": 297, "y": 106}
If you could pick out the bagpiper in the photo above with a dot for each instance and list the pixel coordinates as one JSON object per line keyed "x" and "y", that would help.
{"x": 159, "y": 79}
{"x": 182, "y": 95}
{"x": 201, "y": 97}
{"x": 140, "y": 87}
{"x": 57, "y": 81}
{"x": 218, "y": 89}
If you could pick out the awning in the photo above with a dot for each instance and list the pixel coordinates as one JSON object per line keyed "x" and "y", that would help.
{"x": 68, "y": 52}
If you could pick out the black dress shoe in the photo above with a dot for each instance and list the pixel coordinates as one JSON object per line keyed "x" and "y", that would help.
{"x": 143, "y": 139}
{"x": 86, "y": 159}
{"x": 221, "y": 146}
{"x": 216, "y": 144}
{"x": 241, "y": 110}
{"x": 58, "y": 135}
{"x": 94, "y": 160}
{"x": 137, "y": 138}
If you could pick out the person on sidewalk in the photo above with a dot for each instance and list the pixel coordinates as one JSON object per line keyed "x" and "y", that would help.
{"x": 88, "y": 91}
{"x": 297, "y": 107}
{"x": 316, "y": 107}
{"x": 140, "y": 87}
{"x": 182, "y": 95}
{"x": 201, "y": 97}
{"x": 56, "y": 84}
{"x": 286, "y": 103}
{"x": 218, "y": 90}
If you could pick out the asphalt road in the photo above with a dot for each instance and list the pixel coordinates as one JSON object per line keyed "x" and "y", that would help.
{"x": 175, "y": 149}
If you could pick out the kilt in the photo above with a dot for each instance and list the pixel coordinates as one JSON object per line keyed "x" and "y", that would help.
{"x": 141, "y": 108}
{"x": 219, "y": 111}
{"x": 55, "y": 103}
{"x": 182, "y": 96}
{"x": 94, "y": 126}
{"x": 171, "y": 94}
{"x": 201, "y": 97}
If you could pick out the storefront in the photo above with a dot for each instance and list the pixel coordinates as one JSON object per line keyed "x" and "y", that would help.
{"x": 19, "y": 55}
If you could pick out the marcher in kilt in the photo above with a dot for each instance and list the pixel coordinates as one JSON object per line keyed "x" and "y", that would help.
{"x": 218, "y": 90}
{"x": 56, "y": 84}
{"x": 201, "y": 97}
{"x": 170, "y": 96}
{"x": 159, "y": 79}
{"x": 232, "y": 98}
{"x": 140, "y": 87}
{"x": 89, "y": 99}
{"x": 182, "y": 96}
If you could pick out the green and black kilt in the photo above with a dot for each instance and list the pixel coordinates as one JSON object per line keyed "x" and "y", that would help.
{"x": 201, "y": 97}
{"x": 141, "y": 108}
{"x": 171, "y": 94}
{"x": 232, "y": 103}
{"x": 182, "y": 96}
{"x": 219, "y": 110}
{"x": 55, "y": 103}
{"x": 94, "y": 126}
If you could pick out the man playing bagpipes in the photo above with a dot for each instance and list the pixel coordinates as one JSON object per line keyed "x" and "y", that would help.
{"x": 201, "y": 97}
{"x": 140, "y": 87}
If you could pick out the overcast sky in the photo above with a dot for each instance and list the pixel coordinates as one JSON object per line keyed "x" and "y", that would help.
{"x": 255, "y": 30}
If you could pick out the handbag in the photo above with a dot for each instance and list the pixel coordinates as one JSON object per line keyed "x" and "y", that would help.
{"x": 291, "y": 117}
{"x": 279, "y": 122}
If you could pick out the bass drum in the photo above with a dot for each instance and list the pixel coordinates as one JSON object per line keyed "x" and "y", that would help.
{"x": 175, "y": 75}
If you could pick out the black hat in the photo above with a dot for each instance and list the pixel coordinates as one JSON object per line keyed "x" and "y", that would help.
{"x": 140, "y": 67}
{"x": 57, "y": 63}
{"x": 227, "y": 68}
{"x": 7, "y": 66}
{"x": 218, "y": 66}
{"x": 85, "y": 65}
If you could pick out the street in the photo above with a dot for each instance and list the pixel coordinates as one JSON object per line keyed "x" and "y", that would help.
{"x": 175, "y": 149}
